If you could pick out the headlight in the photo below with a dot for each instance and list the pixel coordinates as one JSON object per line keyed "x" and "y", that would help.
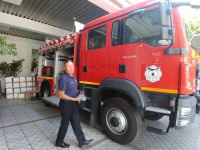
{"x": 184, "y": 111}
{"x": 183, "y": 122}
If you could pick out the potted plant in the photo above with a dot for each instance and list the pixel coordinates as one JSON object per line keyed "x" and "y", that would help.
{"x": 11, "y": 69}
{"x": 8, "y": 69}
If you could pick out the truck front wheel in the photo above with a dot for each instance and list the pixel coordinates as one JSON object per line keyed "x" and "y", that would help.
{"x": 121, "y": 122}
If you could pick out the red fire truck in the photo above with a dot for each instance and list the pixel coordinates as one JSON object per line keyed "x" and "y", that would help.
{"x": 132, "y": 65}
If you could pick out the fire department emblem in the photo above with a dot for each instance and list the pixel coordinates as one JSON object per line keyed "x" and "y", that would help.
{"x": 153, "y": 73}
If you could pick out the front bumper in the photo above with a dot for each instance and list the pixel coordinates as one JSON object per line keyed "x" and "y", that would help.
{"x": 186, "y": 110}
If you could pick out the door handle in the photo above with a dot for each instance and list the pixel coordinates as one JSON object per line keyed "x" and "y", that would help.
{"x": 85, "y": 69}
{"x": 122, "y": 68}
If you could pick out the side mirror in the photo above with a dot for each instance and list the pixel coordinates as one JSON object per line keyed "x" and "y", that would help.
{"x": 166, "y": 33}
{"x": 165, "y": 14}
{"x": 166, "y": 24}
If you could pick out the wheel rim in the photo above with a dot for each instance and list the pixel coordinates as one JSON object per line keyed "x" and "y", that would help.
{"x": 116, "y": 121}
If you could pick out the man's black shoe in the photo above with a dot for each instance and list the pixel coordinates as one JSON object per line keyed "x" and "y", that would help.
{"x": 62, "y": 145}
{"x": 87, "y": 142}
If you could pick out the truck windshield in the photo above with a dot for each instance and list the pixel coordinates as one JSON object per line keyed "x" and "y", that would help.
{"x": 144, "y": 27}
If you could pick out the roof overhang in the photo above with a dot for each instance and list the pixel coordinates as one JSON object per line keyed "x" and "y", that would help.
{"x": 30, "y": 25}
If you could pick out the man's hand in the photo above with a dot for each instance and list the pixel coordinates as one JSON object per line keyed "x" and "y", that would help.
{"x": 77, "y": 99}
{"x": 62, "y": 95}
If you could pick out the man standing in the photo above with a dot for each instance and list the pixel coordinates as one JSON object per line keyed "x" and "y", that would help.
{"x": 69, "y": 109}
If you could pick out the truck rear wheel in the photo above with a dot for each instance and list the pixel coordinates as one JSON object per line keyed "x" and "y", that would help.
{"x": 153, "y": 116}
{"x": 121, "y": 122}
{"x": 45, "y": 92}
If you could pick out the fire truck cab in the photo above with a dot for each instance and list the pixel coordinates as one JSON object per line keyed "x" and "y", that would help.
{"x": 131, "y": 65}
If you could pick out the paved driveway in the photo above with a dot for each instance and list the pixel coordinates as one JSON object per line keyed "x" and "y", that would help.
{"x": 30, "y": 125}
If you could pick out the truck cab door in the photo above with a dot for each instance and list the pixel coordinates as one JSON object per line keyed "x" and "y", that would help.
{"x": 94, "y": 55}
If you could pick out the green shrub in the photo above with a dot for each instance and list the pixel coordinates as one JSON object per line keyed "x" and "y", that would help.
{"x": 11, "y": 69}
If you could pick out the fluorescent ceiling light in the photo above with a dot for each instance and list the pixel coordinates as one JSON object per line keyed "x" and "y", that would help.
{"x": 107, "y": 5}
{"x": 124, "y": 3}
{"x": 134, "y": 1}
{"x": 114, "y": 5}
{"x": 15, "y": 2}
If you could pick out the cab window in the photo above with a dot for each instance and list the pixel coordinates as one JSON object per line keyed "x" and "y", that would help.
{"x": 143, "y": 27}
{"x": 97, "y": 38}
{"x": 115, "y": 33}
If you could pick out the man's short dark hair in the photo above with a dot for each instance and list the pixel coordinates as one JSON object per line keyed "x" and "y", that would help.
{"x": 67, "y": 60}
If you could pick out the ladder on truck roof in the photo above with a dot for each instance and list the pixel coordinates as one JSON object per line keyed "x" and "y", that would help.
{"x": 68, "y": 40}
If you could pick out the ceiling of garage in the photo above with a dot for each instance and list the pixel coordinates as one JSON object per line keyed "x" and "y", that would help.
{"x": 24, "y": 34}
{"x": 57, "y": 13}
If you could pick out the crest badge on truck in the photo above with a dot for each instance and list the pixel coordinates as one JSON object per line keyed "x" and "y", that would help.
{"x": 153, "y": 73}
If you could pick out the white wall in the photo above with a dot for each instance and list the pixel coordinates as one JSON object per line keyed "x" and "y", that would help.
{"x": 24, "y": 51}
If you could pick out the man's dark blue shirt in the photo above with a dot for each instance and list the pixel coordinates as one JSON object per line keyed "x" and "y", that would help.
{"x": 69, "y": 85}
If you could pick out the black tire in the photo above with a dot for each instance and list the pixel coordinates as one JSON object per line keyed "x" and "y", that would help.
{"x": 153, "y": 116}
{"x": 122, "y": 109}
{"x": 45, "y": 92}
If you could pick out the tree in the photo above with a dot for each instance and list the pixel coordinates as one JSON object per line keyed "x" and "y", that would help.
{"x": 5, "y": 48}
{"x": 190, "y": 17}
{"x": 13, "y": 68}
{"x": 193, "y": 26}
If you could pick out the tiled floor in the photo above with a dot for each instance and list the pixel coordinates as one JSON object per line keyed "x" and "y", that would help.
{"x": 30, "y": 125}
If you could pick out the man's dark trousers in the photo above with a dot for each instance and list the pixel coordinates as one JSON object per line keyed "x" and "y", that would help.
{"x": 70, "y": 112}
